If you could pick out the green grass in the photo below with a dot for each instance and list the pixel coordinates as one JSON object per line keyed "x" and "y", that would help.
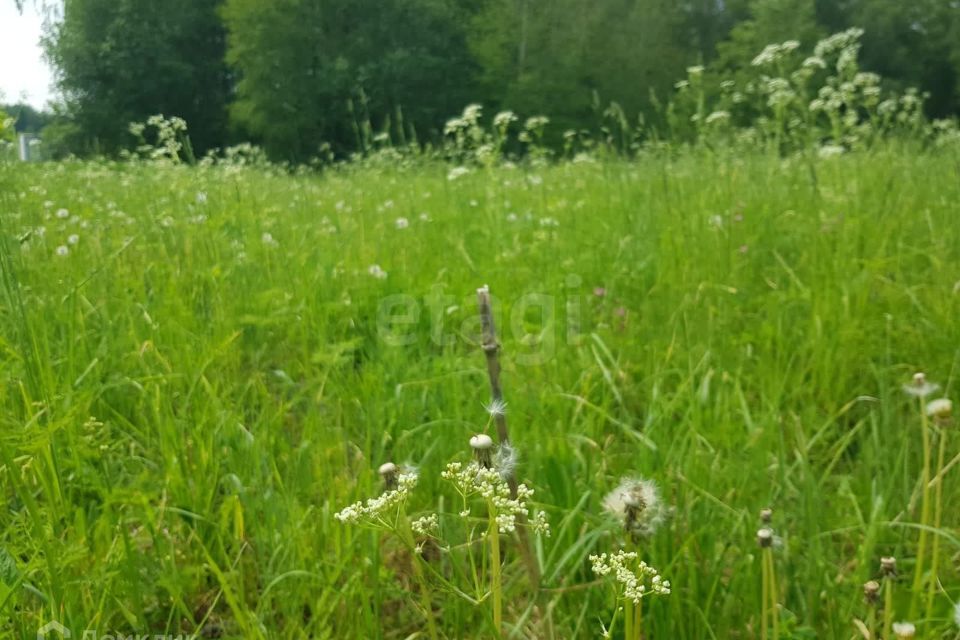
{"x": 184, "y": 406}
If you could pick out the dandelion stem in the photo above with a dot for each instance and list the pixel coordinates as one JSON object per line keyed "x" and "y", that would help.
{"x": 937, "y": 520}
{"x": 924, "y": 515}
{"x": 887, "y": 607}
{"x": 765, "y": 589}
{"x": 491, "y": 349}
{"x": 772, "y": 591}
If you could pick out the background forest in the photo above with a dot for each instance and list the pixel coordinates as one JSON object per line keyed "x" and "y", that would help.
{"x": 311, "y": 78}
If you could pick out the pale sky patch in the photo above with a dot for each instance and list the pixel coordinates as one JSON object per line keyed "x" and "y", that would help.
{"x": 24, "y": 75}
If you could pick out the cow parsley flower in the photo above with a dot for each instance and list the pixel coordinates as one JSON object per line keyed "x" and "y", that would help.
{"x": 475, "y": 480}
{"x": 636, "y": 579}
{"x": 374, "y": 510}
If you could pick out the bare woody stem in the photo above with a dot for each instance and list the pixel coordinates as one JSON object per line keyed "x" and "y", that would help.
{"x": 491, "y": 349}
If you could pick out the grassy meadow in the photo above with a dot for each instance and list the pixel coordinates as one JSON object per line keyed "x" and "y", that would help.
{"x": 201, "y": 365}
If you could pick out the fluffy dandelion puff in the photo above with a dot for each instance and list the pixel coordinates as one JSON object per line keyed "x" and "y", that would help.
{"x": 73, "y": 239}
{"x": 402, "y": 223}
{"x": 904, "y": 629}
{"x": 63, "y": 214}
{"x": 505, "y": 460}
{"x": 378, "y": 273}
{"x": 496, "y": 407}
{"x": 940, "y": 408}
{"x": 62, "y": 250}
{"x": 636, "y": 504}
{"x": 920, "y": 387}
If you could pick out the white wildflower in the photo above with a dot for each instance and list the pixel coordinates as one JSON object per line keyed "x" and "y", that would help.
{"x": 831, "y": 151}
{"x": 636, "y": 579}
{"x": 456, "y": 173}
{"x": 63, "y": 214}
{"x": 540, "y": 524}
{"x": 427, "y": 525}
{"x": 475, "y": 480}
{"x": 62, "y": 250}
{"x": 268, "y": 240}
{"x": 375, "y": 509}
{"x": 402, "y": 223}
{"x": 378, "y": 273}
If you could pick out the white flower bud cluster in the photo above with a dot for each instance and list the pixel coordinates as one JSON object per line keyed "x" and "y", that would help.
{"x": 426, "y": 526}
{"x": 474, "y": 479}
{"x": 636, "y": 583}
{"x": 374, "y": 508}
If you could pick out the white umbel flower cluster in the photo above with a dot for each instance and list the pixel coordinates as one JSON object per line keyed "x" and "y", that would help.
{"x": 426, "y": 526}
{"x": 637, "y": 579}
{"x": 475, "y": 480}
{"x": 375, "y": 508}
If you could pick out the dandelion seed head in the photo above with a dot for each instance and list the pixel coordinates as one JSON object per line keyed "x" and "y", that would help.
{"x": 920, "y": 387}
{"x": 904, "y": 630}
{"x": 505, "y": 460}
{"x": 496, "y": 407}
{"x": 636, "y": 504}
{"x": 888, "y": 566}
{"x": 62, "y": 250}
{"x": 765, "y": 537}
{"x": 941, "y": 408}
{"x": 63, "y": 214}
{"x": 73, "y": 239}
{"x": 402, "y": 223}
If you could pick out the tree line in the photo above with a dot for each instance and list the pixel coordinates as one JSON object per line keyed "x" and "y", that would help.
{"x": 304, "y": 77}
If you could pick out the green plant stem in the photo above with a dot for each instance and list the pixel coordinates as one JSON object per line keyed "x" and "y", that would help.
{"x": 924, "y": 515}
{"x": 628, "y": 620}
{"x": 638, "y": 622}
{"x": 495, "y": 578}
{"x": 937, "y": 521}
{"x": 772, "y": 592}
{"x": 765, "y": 590}
{"x": 887, "y": 608}
{"x": 426, "y": 598}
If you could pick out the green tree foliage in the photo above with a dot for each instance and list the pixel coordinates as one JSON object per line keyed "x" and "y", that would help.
{"x": 556, "y": 57}
{"x": 315, "y": 71}
{"x": 25, "y": 118}
{"x": 296, "y": 75}
{"x": 122, "y": 60}
{"x": 914, "y": 43}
